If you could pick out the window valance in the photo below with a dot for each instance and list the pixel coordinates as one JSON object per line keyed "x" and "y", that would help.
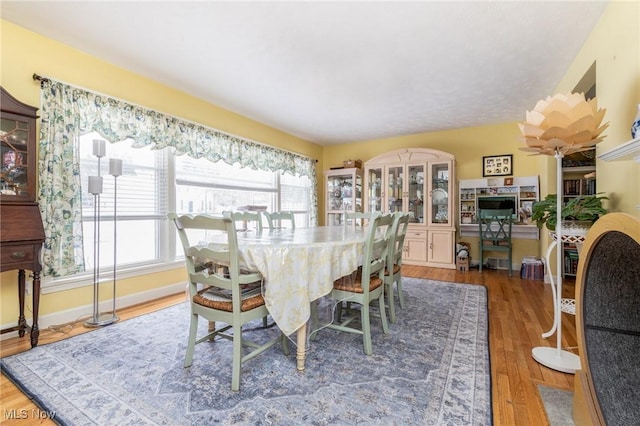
{"x": 117, "y": 120}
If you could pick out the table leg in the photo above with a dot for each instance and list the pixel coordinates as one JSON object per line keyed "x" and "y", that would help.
{"x": 22, "y": 322}
{"x": 35, "y": 330}
{"x": 302, "y": 346}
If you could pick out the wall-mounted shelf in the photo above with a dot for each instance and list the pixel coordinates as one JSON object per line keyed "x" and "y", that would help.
{"x": 627, "y": 151}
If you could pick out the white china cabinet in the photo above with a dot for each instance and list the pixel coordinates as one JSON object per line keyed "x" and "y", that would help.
{"x": 419, "y": 181}
{"x": 344, "y": 194}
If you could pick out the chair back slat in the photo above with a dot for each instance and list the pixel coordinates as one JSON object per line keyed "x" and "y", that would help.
{"x": 359, "y": 218}
{"x": 280, "y": 220}
{"x": 246, "y": 218}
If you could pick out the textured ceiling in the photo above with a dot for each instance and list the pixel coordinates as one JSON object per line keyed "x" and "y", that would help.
{"x": 335, "y": 72}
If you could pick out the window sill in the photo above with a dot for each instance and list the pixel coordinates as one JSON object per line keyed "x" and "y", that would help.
{"x": 86, "y": 279}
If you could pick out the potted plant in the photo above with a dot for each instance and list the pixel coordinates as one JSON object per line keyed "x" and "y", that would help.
{"x": 584, "y": 209}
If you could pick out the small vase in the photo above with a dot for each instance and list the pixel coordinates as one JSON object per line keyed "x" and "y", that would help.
{"x": 635, "y": 127}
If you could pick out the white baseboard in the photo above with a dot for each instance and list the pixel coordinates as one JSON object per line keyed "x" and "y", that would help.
{"x": 81, "y": 313}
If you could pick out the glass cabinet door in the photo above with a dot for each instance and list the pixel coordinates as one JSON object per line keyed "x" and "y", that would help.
{"x": 395, "y": 190}
{"x": 374, "y": 192}
{"x": 14, "y": 136}
{"x": 415, "y": 192}
{"x": 439, "y": 194}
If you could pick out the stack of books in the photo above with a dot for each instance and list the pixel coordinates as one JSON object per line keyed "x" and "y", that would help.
{"x": 532, "y": 268}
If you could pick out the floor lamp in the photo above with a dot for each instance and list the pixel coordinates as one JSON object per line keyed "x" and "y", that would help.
{"x": 95, "y": 188}
{"x": 557, "y": 126}
{"x": 557, "y": 358}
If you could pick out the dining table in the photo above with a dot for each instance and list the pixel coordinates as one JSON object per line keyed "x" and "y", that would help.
{"x": 299, "y": 266}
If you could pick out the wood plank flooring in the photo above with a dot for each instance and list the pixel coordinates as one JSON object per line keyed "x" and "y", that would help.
{"x": 519, "y": 312}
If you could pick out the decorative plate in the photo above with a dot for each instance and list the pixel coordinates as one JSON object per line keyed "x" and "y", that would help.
{"x": 439, "y": 195}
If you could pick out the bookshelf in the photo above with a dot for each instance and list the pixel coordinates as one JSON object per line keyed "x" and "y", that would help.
{"x": 578, "y": 174}
{"x": 578, "y": 178}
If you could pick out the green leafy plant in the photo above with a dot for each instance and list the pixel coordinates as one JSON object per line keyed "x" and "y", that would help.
{"x": 583, "y": 207}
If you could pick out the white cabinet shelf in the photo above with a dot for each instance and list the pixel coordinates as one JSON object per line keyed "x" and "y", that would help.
{"x": 343, "y": 194}
{"x": 475, "y": 194}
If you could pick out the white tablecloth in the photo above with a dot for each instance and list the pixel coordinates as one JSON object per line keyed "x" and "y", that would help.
{"x": 300, "y": 266}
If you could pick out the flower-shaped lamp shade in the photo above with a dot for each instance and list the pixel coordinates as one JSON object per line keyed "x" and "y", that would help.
{"x": 563, "y": 124}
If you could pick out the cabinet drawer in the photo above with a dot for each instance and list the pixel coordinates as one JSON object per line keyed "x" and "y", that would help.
{"x": 416, "y": 235}
{"x": 16, "y": 254}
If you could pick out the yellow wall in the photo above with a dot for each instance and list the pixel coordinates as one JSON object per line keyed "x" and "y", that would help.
{"x": 25, "y": 53}
{"x": 614, "y": 45}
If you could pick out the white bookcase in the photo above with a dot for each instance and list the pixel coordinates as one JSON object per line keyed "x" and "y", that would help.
{"x": 518, "y": 193}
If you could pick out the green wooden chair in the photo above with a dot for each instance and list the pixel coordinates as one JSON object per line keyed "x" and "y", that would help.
{"x": 495, "y": 233}
{"x": 277, "y": 220}
{"x": 358, "y": 218}
{"x": 393, "y": 269}
{"x": 249, "y": 220}
{"x": 220, "y": 291}
{"x": 366, "y": 284}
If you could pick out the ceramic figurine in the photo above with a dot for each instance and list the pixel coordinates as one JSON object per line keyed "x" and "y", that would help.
{"x": 635, "y": 127}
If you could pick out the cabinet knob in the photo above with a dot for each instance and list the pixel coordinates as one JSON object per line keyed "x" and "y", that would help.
{"x": 18, "y": 255}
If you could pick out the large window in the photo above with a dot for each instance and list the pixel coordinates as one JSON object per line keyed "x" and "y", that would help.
{"x": 141, "y": 203}
{"x": 206, "y": 187}
{"x": 154, "y": 182}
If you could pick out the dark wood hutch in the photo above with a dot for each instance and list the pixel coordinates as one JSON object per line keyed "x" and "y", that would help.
{"x": 21, "y": 230}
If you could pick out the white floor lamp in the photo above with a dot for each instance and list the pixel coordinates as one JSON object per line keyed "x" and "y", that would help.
{"x": 557, "y": 358}
{"x": 561, "y": 125}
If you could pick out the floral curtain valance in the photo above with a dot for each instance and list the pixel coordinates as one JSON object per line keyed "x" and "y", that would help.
{"x": 69, "y": 112}
{"x": 117, "y": 120}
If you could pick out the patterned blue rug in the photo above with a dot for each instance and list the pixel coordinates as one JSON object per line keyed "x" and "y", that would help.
{"x": 431, "y": 369}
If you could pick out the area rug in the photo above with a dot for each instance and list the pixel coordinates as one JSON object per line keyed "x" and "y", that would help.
{"x": 431, "y": 369}
{"x": 558, "y": 404}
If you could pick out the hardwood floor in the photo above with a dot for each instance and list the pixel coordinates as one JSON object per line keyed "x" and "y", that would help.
{"x": 519, "y": 311}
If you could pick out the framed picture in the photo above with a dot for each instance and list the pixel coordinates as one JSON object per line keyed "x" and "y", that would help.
{"x": 508, "y": 181}
{"x": 498, "y": 165}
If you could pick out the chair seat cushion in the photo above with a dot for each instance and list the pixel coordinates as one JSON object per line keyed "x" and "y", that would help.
{"x": 396, "y": 269}
{"x": 354, "y": 283}
{"x": 219, "y": 298}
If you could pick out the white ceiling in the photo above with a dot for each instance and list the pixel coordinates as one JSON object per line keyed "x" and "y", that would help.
{"x": 334, "y": 72}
